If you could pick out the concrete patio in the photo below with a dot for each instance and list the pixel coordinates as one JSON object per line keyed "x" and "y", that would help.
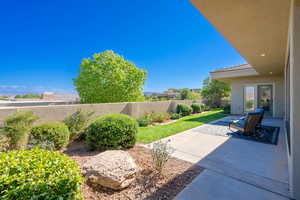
{"x": 234, "y": 168}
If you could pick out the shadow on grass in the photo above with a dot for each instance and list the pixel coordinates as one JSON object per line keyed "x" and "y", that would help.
{"x": 207, "y": 118}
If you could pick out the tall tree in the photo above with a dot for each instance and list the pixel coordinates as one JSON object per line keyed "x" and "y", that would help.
{"x": 108, "y": 77}
{"x": 184, "y": 93}
{"x": 214, "y": 90}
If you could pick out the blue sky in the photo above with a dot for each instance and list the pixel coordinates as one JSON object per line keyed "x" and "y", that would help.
{"x": 43, "y": 42}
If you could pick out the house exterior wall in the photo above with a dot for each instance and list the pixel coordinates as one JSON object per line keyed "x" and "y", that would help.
{"x": 237, "y": 95}
{"x": 294, "y": 114}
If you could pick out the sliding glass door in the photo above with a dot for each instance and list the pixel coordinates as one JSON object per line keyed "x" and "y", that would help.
{"x": 249, "y": 98}
{"x": 258, "y": 96}
{"x": 265, "y": 98}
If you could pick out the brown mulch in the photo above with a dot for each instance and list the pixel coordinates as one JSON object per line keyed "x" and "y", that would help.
{"x": 149, "y": 184}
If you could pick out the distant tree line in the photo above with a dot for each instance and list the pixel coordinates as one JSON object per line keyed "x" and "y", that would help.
{"x": 28, "y": 96}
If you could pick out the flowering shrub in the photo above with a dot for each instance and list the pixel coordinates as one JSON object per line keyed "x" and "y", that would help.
{"x": 161, "y": 152}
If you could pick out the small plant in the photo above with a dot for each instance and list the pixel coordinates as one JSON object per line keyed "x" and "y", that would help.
{"x": 41, "y": 144}
{"x": 184, "y": 109}
{"x": 39, "y": 174}
{"x": 54, "y": 132}
{"x": 206, "y": 108}
{"x": 17, "y": 128}
{"x": 77, "y": 123}
{"x": 227, "y": 108}
{"x": 4, "y": 141}
{"x": 175, "y": 116}
{"x": 112, "y": 131}
{"x": 143, "y": 121}
{"x": 158, "y": 116}
{"x": 197, "y": 108}
{"x": 161, "y": 152}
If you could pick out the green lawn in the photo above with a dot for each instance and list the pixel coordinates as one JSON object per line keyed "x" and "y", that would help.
{"x": 152, "y": 133}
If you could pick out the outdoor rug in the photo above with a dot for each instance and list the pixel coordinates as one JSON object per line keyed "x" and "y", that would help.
{"x": 268, "y": 134}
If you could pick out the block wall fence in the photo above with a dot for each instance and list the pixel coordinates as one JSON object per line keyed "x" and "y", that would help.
{"x": 60, "y": 112}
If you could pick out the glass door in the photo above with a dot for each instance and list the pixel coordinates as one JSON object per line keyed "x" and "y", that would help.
{"x": 249, "y": 99}
{"x": 265, "y": 98}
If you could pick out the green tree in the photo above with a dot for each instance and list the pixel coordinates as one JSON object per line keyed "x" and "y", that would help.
{"x": 189, "y": 95}
{"x": 214, "y": 90}
{"x": 108, "y": 77}
{"x": 184, "y": 93}
{"x": 193, "y": 96}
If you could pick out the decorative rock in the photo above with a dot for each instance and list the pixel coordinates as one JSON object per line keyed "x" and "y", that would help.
{"x": 113, "y": 169}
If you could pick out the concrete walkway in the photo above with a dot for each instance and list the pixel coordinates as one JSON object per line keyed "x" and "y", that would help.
{"x": 234, "y": 168}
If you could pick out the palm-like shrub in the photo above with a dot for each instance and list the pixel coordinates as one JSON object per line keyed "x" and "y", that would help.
{"x": 112, "y": 131}
{"x": 38, "y": 174}
{"x": 77, "y": 123}
{"x": 53, "y": 132}
{"x": 17, "y": 128}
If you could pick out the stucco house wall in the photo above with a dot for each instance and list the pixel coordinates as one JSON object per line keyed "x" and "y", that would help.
{"x": 237, "y": 95}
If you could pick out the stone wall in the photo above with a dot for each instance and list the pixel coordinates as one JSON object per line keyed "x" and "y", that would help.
{"x": 60, "y": 112}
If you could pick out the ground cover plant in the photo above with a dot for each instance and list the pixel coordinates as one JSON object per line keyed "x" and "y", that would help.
{"x": 153, "y": 133}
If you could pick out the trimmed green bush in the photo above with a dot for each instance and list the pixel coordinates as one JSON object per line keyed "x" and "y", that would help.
{"x": 175, "y": 116}
{"x": 17, "y": 128}
{"x": 143, "y": 121}
{"x": 197, "y": 108}
{"x": 39, "y": 174}
{"x": 54, "y": 132}
{"x": 184, "y": 109}
{"x": 112, "y": 131}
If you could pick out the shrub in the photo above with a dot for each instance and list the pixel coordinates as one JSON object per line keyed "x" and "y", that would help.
{"x": 160, "y": 117}
{"x": 206, "y": 108}
{"x": 143, "y": 121}
{"x": 56, "y": 132}
{"x": 4, "y": 141}
{"x": 161, "y": 153}
{"x": 227, "y": 108}
{"x": 17, "y": 128}
{"x": 175, "y": 116}
{"x": 38, "y": 174}
{"x": 197, "y": 108}
{"x": 184, "y": 109}
{"x": 112, "y": 131}
{"x": 77, "y": 123}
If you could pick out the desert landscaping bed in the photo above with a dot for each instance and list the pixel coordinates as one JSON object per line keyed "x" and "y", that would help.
{"x": 148, "y": 184}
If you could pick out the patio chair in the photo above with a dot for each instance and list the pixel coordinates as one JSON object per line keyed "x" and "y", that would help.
{"x": 248, "y": 125}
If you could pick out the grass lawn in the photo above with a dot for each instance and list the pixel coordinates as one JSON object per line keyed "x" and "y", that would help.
{"x": 152, "y": 133}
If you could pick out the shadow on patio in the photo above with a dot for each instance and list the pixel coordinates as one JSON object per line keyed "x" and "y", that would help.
{"x": 234, "y": 168}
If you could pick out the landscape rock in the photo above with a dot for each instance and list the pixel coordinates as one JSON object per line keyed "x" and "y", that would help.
{"x": 114, "y": 169}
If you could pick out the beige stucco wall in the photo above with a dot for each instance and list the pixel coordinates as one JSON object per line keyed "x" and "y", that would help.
{"x": 237, "y": 95}
{"x": 60, "y": 112}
